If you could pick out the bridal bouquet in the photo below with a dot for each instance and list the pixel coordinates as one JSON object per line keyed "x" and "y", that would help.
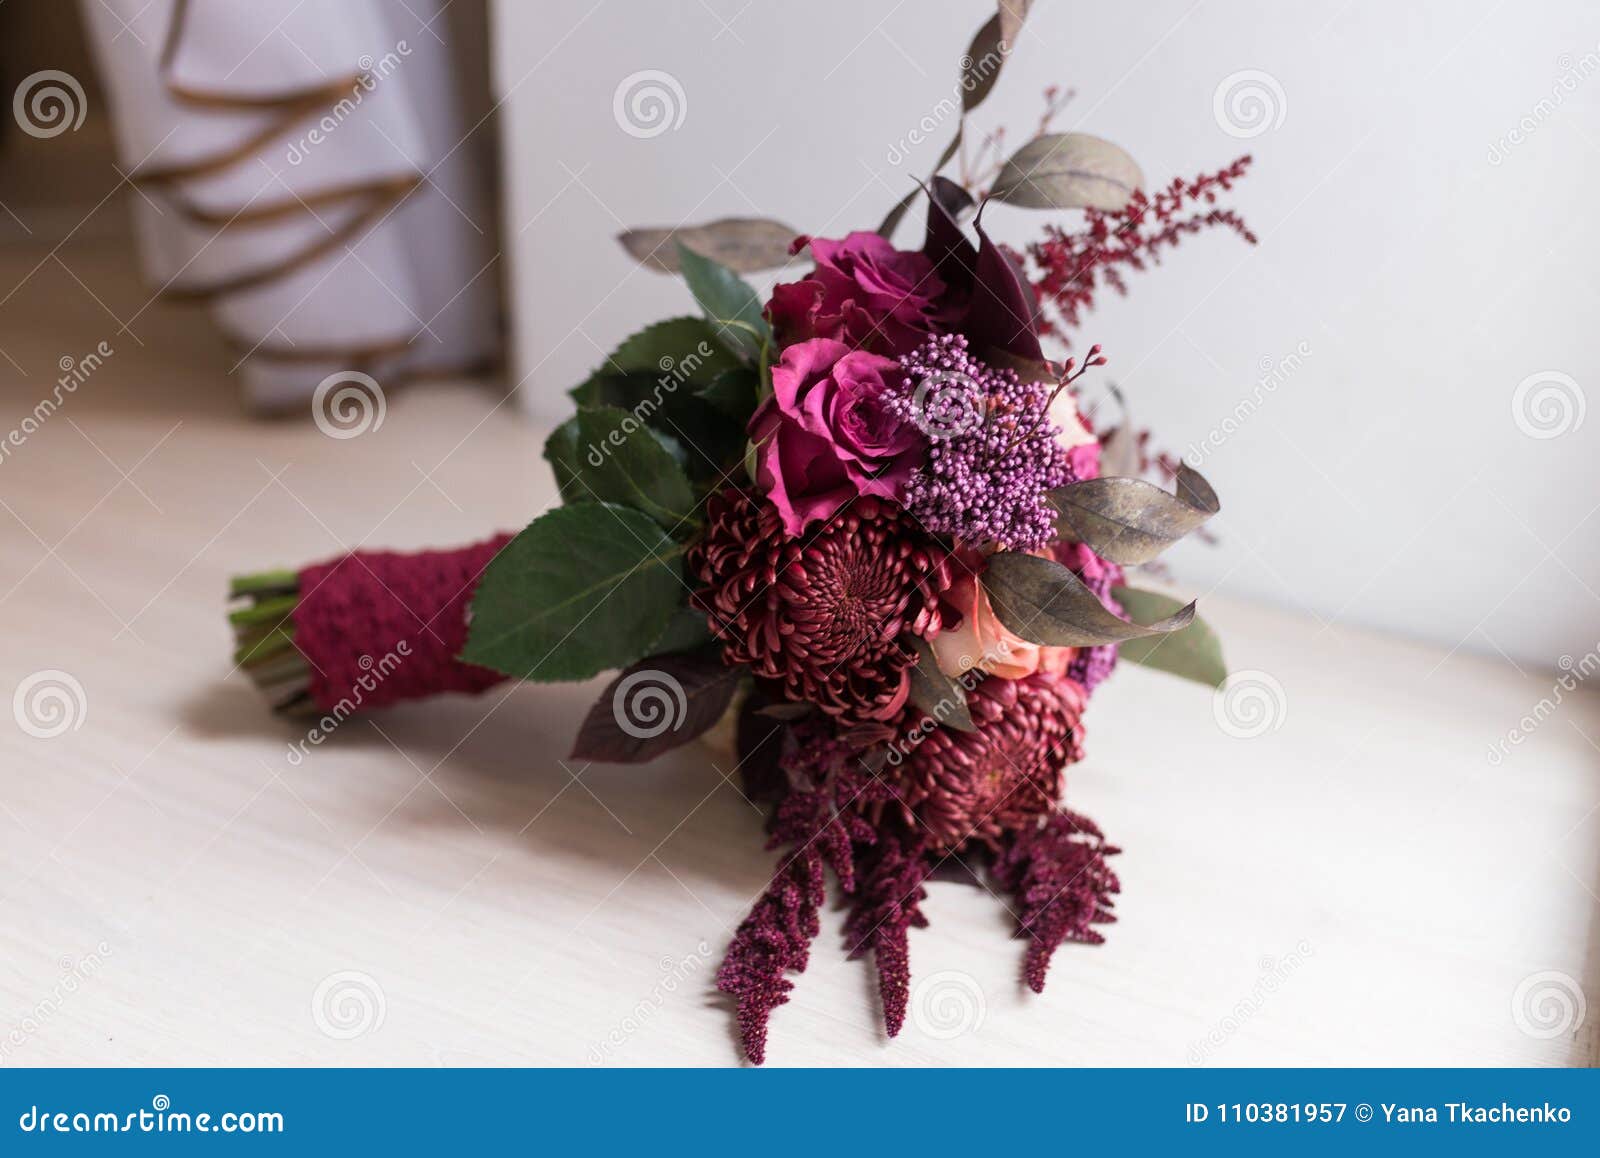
{"x": 863, "y": 522}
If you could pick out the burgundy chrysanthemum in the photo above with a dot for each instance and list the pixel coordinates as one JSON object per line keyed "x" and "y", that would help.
{"x": 821, "y": 615}
{"x": 982, "y": 785}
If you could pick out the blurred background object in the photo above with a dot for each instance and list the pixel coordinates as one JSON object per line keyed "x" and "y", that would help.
{"x": 307, "y": 175}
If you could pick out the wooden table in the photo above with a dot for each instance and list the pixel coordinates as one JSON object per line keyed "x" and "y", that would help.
{"x": 1357, "y": 885}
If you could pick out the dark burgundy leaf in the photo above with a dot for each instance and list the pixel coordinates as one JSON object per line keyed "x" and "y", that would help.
{"x": 760, "y": 741}
{"x": 946, "y": 245}
{"x": 1003, "y": 314}
{"x": 656, "y": 705}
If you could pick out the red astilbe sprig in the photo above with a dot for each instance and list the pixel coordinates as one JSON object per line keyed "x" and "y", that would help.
{"x": 888, "y": 905}
{"x": 817, "y": 822}
{"x": 1073, "y": 265}
{"x": 1063, "y": 886}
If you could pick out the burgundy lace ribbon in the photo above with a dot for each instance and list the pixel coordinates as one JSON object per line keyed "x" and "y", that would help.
{"x": 355, "y": 613}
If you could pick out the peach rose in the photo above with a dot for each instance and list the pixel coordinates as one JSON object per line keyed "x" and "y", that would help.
{"x": 982, "y": 641}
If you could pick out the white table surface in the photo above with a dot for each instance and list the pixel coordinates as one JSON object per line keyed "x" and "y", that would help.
{"x": 1358, "y": 886}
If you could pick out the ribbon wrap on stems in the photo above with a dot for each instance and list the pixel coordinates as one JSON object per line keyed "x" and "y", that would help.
{"x": 379, "y": 627}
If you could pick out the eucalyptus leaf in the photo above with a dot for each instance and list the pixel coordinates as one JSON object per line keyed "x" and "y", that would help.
{"x": 1195, "y": 653}
{"x": 729, "y": 303}
{"x": 1043, "y": 602}
{"x": 1012, "y": 14}
{"x": 581, "y": 589}
{"x": 980, "y": 70}
{"x": 1129, "y": 520}
{"x": 658, "y": 704}
{"x": 613, "y": 457}
{"x": 744, "y": 244}
{"x": 980, "y": 66}
{"x": 1119, "y": 450}
{"x": 1068, "y": 171}
{"x": 940, "y": 696}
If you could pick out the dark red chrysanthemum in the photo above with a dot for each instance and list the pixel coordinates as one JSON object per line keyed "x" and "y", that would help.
{"x": 821, "y": 614}
{"x": 981, "y": 785}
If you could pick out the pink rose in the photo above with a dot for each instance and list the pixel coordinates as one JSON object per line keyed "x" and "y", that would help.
{"x": 825, "y": 435}
{"x": 865, "y": 292}
{"x": 982, "y": 641}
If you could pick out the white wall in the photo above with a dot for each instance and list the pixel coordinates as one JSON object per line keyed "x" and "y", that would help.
{"x": 1415, "y": 280}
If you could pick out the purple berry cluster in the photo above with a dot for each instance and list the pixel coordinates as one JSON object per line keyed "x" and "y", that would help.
{"x": 992, "y": 449}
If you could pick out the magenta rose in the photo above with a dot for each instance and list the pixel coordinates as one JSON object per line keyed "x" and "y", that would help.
{"x": 825, "y": 436}
{"x": 865, "y": 292}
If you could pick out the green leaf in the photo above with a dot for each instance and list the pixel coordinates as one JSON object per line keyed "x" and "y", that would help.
{"x": 1195, "y": 653}
{"x": 685, "y": 631}
{"x": 584, "y": 588}
{"x": 728, "y": 301}
{"x": 561, "y": 451}
{"x": 618, "y": 459}
{"x": 1044, "y": 602}
{"x": 708, "y": 441}
{"x": 733, "y": 392}
{"x": 665, "y": 355}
